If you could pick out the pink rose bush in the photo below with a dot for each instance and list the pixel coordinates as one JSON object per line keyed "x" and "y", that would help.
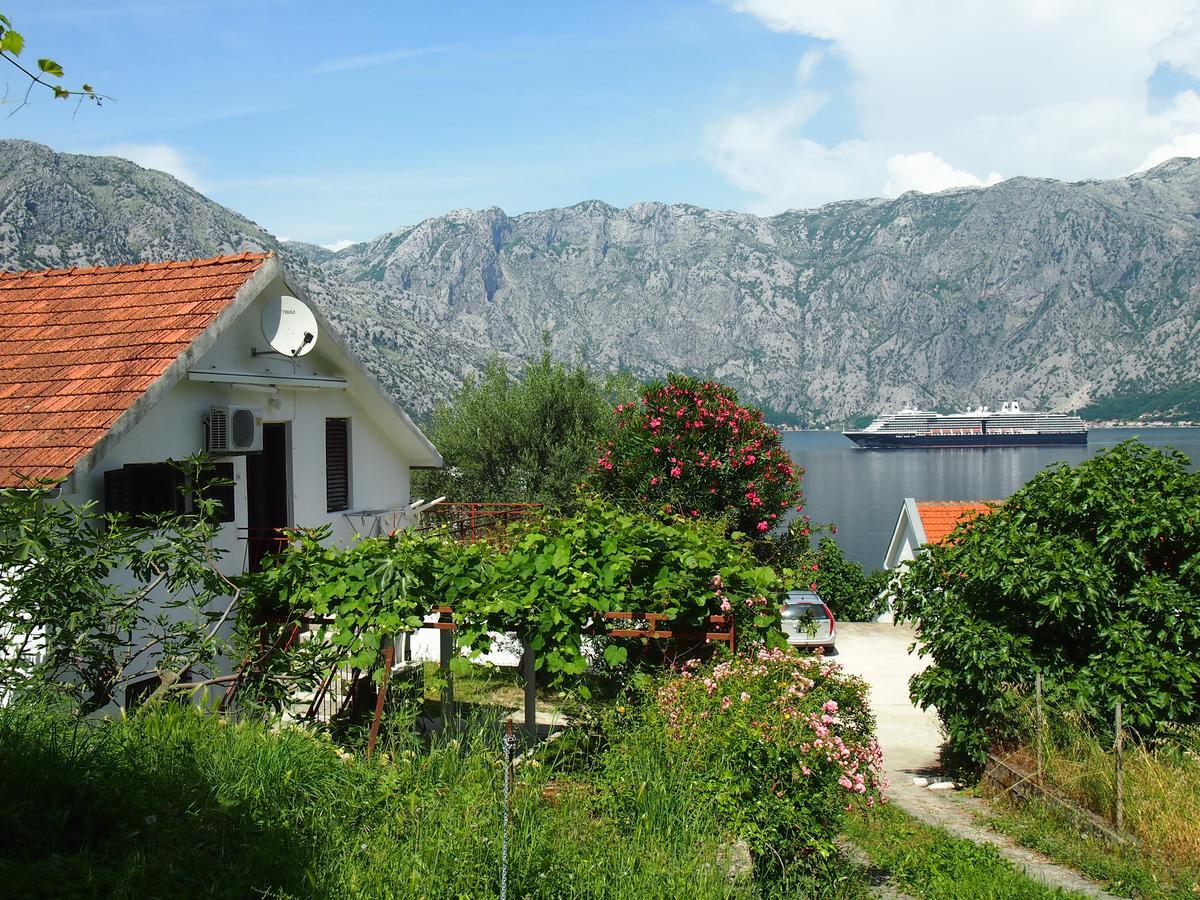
{"x": 689, "y": 447}
{"x": 789, "y": 740}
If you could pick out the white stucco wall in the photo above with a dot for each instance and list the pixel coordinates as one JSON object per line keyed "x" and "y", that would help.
{"x": 173, "y": 429}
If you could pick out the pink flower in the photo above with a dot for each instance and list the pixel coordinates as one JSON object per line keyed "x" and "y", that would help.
{"x": 655, "y": 422}
{"x": 749, "y": 460}
{"x": 745, "y": 697}
{"x": 725, "y": 607}
{"x": 812, "y": 586}
{"x": 676, "y": 471}
{"x": 654, "y": 480}
{"x": 762, "y": 526}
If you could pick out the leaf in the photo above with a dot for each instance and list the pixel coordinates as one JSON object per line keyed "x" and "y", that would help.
{"x": 12, "y": 43}
{"x": 61, "y": 93}
{"x": 615, "y": 655}
{"x": 50, "y": 67}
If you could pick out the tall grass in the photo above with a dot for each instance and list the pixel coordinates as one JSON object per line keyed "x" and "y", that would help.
{"x": 175, "y": 803}
{"x": 1161, "y": 784}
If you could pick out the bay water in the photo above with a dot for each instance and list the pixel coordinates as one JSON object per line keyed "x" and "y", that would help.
{"x": 861, "y": 491}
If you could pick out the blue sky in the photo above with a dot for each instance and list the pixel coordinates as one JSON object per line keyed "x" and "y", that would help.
{"x": 339, "y": 125}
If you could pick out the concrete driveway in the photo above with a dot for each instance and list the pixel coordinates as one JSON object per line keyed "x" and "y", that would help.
{"x": 878, "y": 653}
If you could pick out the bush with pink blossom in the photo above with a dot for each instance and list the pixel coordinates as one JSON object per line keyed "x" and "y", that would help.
{"x": 688, "y": 447}
{"x": 782, "y": 746}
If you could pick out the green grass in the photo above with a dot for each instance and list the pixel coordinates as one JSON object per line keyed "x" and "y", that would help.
{"x": 928, "y": 863}
{"x": 176, "y": 803}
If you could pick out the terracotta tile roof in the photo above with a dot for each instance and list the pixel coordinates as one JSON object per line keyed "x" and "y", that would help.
{"x": 79, "y": 346}
{"x": 939, "y": 517}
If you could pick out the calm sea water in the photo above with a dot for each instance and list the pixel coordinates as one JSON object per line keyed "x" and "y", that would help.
{"x": 861, "y": 491}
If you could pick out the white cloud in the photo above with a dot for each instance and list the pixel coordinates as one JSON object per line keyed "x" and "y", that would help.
{"x": 162, "y": 157}
{"x": 1184, "y": 145}
{"x": 942, "y": 91}
{"x": 371, "y": 60}
{"x": 928, "y": 173}
{"x": 339, "y": 245}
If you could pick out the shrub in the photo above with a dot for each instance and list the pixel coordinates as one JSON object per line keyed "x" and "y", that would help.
{"x": 852, "y": 594}
{"x": 1089, "y": 575}
{"x": 688, "y": 447}
{"x": 520, "y": 440}
{"x": 778, "y": 745}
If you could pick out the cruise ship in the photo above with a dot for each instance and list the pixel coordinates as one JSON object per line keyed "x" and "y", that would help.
{"x": 1010, "y": 426}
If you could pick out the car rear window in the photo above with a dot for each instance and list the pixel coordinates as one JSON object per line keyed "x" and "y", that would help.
{"x": 814, "y": 610}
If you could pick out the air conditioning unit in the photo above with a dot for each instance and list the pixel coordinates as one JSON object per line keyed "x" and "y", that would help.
{"x": 233, "y": 429}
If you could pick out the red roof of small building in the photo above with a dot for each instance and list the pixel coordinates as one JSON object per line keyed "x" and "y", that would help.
{"x": 938, "y": 517}
{"x": 79, "y": 346}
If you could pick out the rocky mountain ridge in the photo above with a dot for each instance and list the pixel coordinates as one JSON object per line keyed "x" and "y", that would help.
{"x": 1050, "y": 293}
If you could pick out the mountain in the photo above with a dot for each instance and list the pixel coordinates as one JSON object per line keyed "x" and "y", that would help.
{"x": 59, "y": 209}
{"x": 1054, "y": 294}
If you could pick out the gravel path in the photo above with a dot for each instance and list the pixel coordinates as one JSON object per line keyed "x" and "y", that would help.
{"x": 910, "y": 737}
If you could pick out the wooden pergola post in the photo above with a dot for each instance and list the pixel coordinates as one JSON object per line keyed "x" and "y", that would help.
{"x": 446, "y": 641}
{"x": 529, "y": 674}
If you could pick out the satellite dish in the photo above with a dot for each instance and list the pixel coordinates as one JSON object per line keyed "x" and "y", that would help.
{"x": 289, "y": 326}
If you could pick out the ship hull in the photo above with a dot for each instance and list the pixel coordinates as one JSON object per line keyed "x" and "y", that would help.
{"x": 869, "y": 440}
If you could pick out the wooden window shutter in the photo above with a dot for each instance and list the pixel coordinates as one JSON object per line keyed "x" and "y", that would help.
{"x": 337, "y": 464}
{"x": 141, "y": 490}
{"x": 219, "y": 485}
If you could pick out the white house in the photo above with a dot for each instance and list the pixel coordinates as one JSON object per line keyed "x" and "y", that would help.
{"x": 928, "y": 522}
{"x": 105, "y": 373}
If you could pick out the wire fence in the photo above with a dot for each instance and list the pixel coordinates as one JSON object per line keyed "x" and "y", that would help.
{"x": 1112, "y": 779}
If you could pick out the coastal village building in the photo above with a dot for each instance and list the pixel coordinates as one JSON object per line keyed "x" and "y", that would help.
{"x": 107, "y": 373}
{"x": 928, "y": 522}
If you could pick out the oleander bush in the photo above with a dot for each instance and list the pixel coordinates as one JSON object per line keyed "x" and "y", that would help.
{"x": 779, "y": 745}
{"x": 688, "y": 447}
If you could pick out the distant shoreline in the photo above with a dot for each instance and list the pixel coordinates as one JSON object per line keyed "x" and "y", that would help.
{"x": 1104, "y": 424}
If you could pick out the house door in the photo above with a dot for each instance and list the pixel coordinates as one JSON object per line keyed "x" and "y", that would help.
{"x": 267, "y": 494}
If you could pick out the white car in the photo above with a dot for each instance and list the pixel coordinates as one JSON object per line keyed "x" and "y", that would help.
{"x": 807, "y": 621}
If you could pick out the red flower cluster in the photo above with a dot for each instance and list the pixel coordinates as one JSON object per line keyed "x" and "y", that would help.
{"x": 690, "y": 446}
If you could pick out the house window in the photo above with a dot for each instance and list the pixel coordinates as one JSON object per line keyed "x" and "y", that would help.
{"x": 144, "y": 490}
{"x": 337, "y": 464}
{"x": 141, "y": 490}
